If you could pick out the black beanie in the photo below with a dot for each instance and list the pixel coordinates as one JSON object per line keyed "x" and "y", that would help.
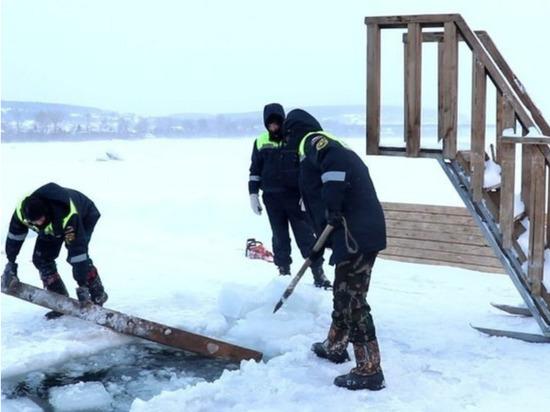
{"x": 35, "y": 208}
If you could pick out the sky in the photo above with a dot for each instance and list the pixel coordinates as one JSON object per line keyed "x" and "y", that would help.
{"x": 165, "y": 56}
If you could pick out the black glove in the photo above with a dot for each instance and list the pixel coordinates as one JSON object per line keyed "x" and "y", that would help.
{"x": 10, "y": 275}
{"x": 335, "y": 218}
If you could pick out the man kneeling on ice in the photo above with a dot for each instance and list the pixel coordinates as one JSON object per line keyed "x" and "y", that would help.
{"x": 58, "y": 215}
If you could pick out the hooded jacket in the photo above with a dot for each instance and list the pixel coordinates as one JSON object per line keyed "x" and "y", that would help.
{"x": 334, "y": 179}
{"x": 66, "y": 209}
{"x": 274, "y": 166}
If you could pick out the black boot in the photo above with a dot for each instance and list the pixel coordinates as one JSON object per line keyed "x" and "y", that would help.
{"x": 334, "y": 346}
{"x": 284, "y": 270}
{"x": 319, "y": 278}
{"x": 368, "y": 373}
{"x": 95, "y": 287}
{"x": 53, "y": 283}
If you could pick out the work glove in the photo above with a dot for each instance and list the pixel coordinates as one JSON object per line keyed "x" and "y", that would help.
{"x": 335, "y": 218}
{"x": 255, "y": 204}
{"x": 10, "y": 275}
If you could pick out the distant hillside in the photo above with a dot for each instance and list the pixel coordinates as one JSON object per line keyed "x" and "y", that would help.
{"x": 23, "y": 121}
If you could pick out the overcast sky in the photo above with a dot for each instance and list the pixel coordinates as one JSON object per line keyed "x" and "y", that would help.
{"x": 162, "y": 57}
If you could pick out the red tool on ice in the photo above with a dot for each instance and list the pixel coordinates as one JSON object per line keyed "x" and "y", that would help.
{"x": 256, "y": 250}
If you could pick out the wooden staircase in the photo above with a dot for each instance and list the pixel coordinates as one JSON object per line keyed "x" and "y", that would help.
{"x": 518, "y": 235}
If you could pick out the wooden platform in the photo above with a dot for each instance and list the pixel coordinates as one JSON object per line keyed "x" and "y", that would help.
{"x": 437, "y": 235}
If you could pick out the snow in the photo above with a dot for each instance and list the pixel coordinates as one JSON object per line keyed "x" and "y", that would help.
{"x": 83, "y": 396}
{"x": 492, "y": 176}
{"x": 170, "y": 248}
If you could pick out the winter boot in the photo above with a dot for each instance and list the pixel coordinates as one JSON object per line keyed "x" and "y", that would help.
{"x": 53, "y": 283}
{"x": 368, "y": 373}
{"x": 334, "y": 346}
{"x": 95, "y": 287}
{"x": 319, "y": 278}
{"x": 284, "y": 270}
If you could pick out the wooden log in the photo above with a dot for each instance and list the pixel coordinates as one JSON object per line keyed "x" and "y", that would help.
{"x": 413, "y": 82}
{"x": 132, "y": 325}
{"x": 537, "y": 230}
{"x": 425, "y": 20}
{"x": 479, "y": 91}
{"x": 373, "y": 89}
{"x": 449, "y": 67}
{"x": 506, "y": 219}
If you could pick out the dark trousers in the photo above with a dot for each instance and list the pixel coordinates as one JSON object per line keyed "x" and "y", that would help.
{"x": 47, "y": 248}
{"x": 282, "y": 209}
{"x": 351, "y": 312}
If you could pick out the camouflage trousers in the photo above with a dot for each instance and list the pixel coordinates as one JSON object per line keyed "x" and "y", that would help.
{"x": 351, "y": 312}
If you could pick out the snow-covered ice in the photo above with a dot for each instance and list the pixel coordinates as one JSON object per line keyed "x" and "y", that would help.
{"x": 170, "y": 248}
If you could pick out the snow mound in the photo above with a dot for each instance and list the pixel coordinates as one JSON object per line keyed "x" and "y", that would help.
{"x": 82, "y": 396}
{"x": 20, "y": 405}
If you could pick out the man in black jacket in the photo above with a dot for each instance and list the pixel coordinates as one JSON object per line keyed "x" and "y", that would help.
{"x": 59, "y": 215}
{"x": 274, "y": 169}
{"x": 337, "y": 190}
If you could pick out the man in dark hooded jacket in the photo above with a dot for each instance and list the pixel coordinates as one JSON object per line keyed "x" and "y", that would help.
{"x": 59, "y": 215}
{"x": 337, "y": 189}
{"x": 274, "y": 169}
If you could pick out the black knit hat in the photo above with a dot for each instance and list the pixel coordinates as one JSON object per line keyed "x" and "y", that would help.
{"x": 35, "y": 208}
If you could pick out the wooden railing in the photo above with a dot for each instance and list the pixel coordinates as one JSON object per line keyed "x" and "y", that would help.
{"x": 520, "y": 237}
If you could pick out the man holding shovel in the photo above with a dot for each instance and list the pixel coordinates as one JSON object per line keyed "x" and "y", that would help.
{"x": 337, "y": 191}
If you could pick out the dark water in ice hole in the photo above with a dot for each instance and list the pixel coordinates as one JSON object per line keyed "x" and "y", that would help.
{"x": 127, "y": 372}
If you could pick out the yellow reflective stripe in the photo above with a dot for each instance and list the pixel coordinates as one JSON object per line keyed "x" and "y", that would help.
{"x": 48, "y": 230}
{"x": 264, "y": 142}
{"x": 301, "y": 149}
{"x": 72, "y": 212}
{"x": 19, "y": 210}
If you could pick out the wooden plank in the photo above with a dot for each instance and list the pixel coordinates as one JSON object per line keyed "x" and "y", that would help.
{"x": 526, "y": 155}
{"x": 473, "y": 239}
{"x": 441, "y": 93}
{"x": 537, "y": 230}
{"x": 415, "y": 207}
{"x": 416, "y": 243}
{"x": 442, "y": 256}
{"x": 425, "y": 20}
{"x": 479, "y": 90}
{"x": 373, "y": 89}
{"x": 540, "y": 140}
{"x": 413, "y": 82}
{"x": 426, "y": 226}
{"x": 548, "y": 205}
{"x": 494, "y": 73}
{"x": 506, "y": 218}
{"x": 449, "y": 67}
{"x": 477, "y": 268}
{"x": 431, "y": 218}
{"x": 505, "y": 118}
{"x": 132, "y": 325}
{"x": 435, "y": 36}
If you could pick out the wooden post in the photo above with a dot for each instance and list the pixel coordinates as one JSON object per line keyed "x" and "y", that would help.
{"x": 413, "y": 78}
{"x": 479, "y": 84}
{"x": 448, "y": 108}
{"x": 373, "y": 89}
{"x": 536, "y": 222}
{"x": 506, "y": 119}
{"x": 526, "y": 155}
{"x": 506, "y": 218}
